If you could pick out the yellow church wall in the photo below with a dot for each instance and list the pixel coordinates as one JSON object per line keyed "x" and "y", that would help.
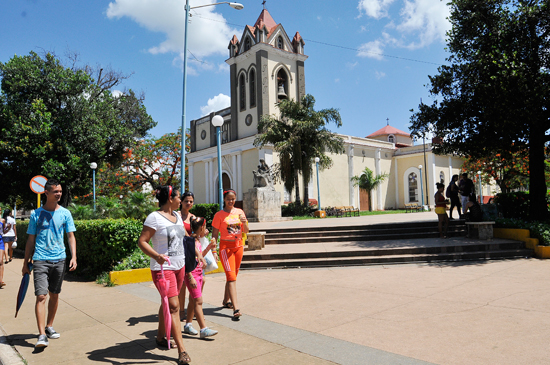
{"x": 244, "y": 130}
{"x": 250, "y": 161}
{"x": 202, "y": 143}
{"x": 199, "y": 187}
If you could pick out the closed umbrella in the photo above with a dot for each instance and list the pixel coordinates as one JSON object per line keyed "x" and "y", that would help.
{"x": 22, "y": 289}
{"x": 163, "y": 285}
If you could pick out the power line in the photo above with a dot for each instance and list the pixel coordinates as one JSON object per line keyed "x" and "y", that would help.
{"x": 333, "y": 45}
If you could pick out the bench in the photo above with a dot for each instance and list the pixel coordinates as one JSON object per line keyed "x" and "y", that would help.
{"x": 341, "y": 212}
{"x": 255, "y": 240}
{"x": 412, "y": 207}
{"x": 352, "y": 211}
{"x": 480, "y": 230}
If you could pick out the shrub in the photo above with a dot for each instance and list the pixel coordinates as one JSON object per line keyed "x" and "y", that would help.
{"x": 297, "y": 209}
{"x": 513, "y": 205}
{"x": 100, "y": 244}
{"x": 206, "y": 211}
{"x": 537, "y": 229}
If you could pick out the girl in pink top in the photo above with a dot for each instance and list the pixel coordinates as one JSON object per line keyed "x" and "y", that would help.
{"x": 194, "y": 281}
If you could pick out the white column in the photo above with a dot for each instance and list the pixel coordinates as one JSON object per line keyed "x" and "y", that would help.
{"x": 234, "y": 172}
{"x": 211, "y": 182}
{"x": 432, "y": 179}
{"x": 450, "y": 169}
{"x": 378, "y": 172}
{"x": 206, "y": 180}
{"x": 397, "y": 179}
{"x": 350, "y": 173}
{"x": 191, "y": 176}
{"x": 240, "y": 176}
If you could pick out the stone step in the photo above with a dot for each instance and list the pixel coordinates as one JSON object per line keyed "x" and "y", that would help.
{"x": 387, "y": 259}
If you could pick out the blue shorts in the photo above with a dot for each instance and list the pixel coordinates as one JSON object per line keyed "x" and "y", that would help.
{"x": 1, "y": 244}
{"x": 9, "y": 239}
{"x": 48, "y": 276}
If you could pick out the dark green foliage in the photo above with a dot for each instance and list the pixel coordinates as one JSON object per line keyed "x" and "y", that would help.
{"x": 297, "y": 210}
{"x": 206, "y": 211}
{"x": 538, "y": 230}
{"x": 513, "y": 205}
{"x": 100, "y": 244}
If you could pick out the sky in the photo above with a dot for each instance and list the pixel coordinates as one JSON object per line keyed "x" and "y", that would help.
{"x": 370, "y": 59}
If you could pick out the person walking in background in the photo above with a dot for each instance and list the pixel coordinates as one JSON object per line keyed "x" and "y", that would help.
{"x": 2, "y": 253}
{"x": 441, "y": 210}
{"x": 230, "y": 223}
{"x": 452, "y": 194}
{"x": 187, "y": 202}
{"x": 194, "y": 282}
{"x": 45, "y": 246}
{"x": 466, "y": 188}
{"x": 164, "y": 228}
{"x": 11, "y": 236}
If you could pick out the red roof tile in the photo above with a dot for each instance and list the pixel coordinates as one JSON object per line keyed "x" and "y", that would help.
{"x": 388, "y": 130}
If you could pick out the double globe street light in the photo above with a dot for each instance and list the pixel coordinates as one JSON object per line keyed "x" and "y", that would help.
{"x": 187, "y": 8}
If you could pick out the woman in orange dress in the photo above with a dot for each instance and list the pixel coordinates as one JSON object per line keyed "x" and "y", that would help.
{"x": 230, "y": 223}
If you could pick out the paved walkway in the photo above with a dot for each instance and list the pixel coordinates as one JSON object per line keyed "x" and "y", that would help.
{"x": 461, "y": 313}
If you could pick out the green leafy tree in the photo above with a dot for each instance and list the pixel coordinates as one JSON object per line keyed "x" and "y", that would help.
{"x": 492, "y": 97}
{"x": 55, "y": 121}
{"x": 299, "y": 135}
{"x": 368, "y": 182}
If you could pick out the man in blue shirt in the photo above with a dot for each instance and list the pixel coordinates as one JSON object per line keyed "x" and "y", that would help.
{"x": 47, "y": 226}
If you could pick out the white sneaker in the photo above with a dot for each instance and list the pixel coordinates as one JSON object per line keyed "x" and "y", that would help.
{"x": 50, "y": 332}
{"x": 188, "y": 328}
{"x": 42, "y": 341}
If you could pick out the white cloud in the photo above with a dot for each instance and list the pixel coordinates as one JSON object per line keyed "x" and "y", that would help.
{"x": 379, "y": 74}
{"x": 209, "y": 30}
{"x": 116, "y": 93}
{"x": 374, "y": 8}
{"x": 337, "y": 81}
{"x": 372, "y": 49}
{"x": 351, "y": 66}
{"x": 413, "y": 24}
{"x": 218, "y": 102}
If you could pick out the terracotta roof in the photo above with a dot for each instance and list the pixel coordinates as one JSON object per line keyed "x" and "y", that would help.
{"x": 388, "y": 130}
{"x": 266, "y": 20}
{"x": 234, "y": 40}
{"x": 297, "y": 38}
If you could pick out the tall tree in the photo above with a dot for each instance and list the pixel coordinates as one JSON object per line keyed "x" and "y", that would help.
{"x": 299, "y": 134}
{"x": 494, "y": 93}
{"x": 368, "y": 182}
{"x": 55, "y": 121}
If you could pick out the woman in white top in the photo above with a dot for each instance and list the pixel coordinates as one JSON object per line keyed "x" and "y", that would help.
{"x": 11, "y": 236}
{"x": 164, "y": 228}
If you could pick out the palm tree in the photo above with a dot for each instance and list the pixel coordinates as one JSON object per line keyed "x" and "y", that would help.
{"x": 299, "y": 135}
{"x": 368, "y": 182}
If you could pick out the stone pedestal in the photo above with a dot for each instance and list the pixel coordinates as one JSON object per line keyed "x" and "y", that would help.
{"x": 263, "y": 205}
{"x": 480, "y": 230}
{"x": 255, "y": 240}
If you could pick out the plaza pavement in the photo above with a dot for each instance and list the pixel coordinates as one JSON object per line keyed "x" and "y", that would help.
{"x": 492, "y": 312}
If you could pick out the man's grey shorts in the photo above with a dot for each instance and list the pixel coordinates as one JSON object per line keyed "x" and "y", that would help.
{"x": 48, "y": 276}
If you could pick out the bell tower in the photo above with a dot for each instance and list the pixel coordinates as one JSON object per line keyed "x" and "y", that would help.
{"x": 266, "y": 66}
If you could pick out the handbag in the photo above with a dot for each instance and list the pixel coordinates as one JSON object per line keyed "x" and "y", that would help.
{"x": 189, "y": 249}
{"x": 211, "y": 264}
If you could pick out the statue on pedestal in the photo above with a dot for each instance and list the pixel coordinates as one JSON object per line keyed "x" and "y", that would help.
{"x": 262, "y": 176}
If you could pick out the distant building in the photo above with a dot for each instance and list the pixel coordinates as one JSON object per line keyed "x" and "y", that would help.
{"x": 266, "y": 66}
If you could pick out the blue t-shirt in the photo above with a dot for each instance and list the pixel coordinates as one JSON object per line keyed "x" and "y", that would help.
{"x": 48, "y": 227}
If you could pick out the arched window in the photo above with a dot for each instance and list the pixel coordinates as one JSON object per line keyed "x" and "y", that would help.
{"x": 413, "y": 187}
{"x": 242, "y": 92}
{"x": 391, "y": 138}
{"x": 282, "y": 85}
{"x": 442, "y": 177}
{"x": 252, "y": 78}
{"x": 247, "y": 44}
{"x": 280, "y": 43}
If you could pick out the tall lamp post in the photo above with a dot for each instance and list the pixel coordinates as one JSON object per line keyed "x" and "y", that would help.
{"x": 93, "y": 166}
{"x": 318, "y": 190}
{"x": 217, "y": 122}
{"x": 480, "y": 192}
{"x": 187, "y": 8}
{"x": 421, "y": 189}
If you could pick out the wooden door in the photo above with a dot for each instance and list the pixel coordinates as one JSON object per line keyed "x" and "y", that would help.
{"x": 363, "y": 200}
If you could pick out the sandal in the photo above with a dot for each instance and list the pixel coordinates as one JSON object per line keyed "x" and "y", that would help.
{"x": 164, "y": 343}
{"x": 236, "y": 314}
{"x": 183, "y": 358}
{"x": 2, "y": 284}
{"x": 228, "y": 305}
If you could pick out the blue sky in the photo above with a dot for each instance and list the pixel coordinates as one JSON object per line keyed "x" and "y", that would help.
{"x": 368, "y": 58}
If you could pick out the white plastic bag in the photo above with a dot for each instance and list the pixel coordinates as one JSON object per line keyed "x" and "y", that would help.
{"x": 211, "y": 264}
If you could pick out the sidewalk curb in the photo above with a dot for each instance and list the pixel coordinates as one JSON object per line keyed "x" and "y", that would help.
{"x": 142, "y": 275}
{"x": 8, "y": 355}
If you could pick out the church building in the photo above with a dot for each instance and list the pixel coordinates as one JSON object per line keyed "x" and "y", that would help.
{"x": 266, "y": 65}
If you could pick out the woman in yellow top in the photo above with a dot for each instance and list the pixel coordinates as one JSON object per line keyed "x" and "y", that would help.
{"x": 230, "y": 223}
{"x": 441, "y": 210}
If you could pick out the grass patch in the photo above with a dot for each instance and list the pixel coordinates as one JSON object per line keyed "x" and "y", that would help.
{"x": 364, "y": 213}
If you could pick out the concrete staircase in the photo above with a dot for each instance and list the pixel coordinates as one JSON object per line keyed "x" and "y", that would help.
{"x": 375, "y": 244}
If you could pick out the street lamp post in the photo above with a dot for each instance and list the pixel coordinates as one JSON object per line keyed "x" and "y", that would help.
{"x": 187, "y": 8}
{"x": 217, "y": 122}
{"x": 318, "y": 190}
{"x": 93, "y": 166}
{"x": 421, "y": 189}
{"x": 480, "y": 192}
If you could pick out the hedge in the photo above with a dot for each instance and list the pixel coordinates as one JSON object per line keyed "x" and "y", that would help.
{"x": 206, "y": 211}
{"x": 100, "y": 244}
